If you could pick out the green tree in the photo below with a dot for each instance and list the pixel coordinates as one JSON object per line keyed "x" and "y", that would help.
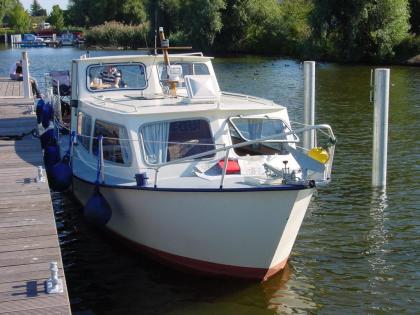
{"x": 195, "y": 22}
{"x": 92, "y": 12}
{"x": 56, "y": 17}
{"x": 360, "y": 29}
{"x": 37, "y": 10}
{"x": 415, "y": 16}
{"x": 19, "y": 19}
{"x": 5, "y": 7}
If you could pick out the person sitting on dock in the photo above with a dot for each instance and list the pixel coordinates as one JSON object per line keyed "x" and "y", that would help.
{"x": 15, "y": 73}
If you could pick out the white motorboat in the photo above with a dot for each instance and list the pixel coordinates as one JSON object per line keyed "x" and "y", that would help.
{"x": 199, "y": 178}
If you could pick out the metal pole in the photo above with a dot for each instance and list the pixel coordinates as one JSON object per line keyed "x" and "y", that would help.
{"x": 380, "y": 127}
{"x": 309, "y": 103}
{"x": 27, "y": 89}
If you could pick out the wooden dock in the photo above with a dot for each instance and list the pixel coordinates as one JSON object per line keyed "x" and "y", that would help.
{"x": 28, "y": 234}
{"x": 10, "y": 89}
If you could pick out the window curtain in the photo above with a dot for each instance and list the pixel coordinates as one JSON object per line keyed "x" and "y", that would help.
{"x": 155, "y": 138}
{"x": 125, "y": 145}
{"x": 255, "y": 127}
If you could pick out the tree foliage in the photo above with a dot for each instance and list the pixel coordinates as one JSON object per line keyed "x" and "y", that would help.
{"x": 92, "y": 12}
{"x": 37, "y": 10}
{"x": 5, "y": 7}
{"x": 320, "y": 29}
{"x": 360, "y": 29}
{"x": 19, "y": 19}
{"x": 56, "y": 17}
{"x": 415, "y": 16}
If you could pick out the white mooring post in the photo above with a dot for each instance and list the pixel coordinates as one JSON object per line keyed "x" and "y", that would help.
{"x": 309, "y": 103}
{"x": 380, "y": 127}
{"x": 54, "y": 284}
{"x": 27, "y": 89}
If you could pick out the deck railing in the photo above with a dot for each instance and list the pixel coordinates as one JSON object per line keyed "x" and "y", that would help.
{"x": 278, "y": 138}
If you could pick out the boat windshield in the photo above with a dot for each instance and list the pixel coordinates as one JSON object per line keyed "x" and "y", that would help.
{"x": 246, "y": 129}
{"x": 130, "y": 76}
{"x": 186, "y": 68}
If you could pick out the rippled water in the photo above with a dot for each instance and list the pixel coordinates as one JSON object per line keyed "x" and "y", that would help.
{"x": 358, "y": 250}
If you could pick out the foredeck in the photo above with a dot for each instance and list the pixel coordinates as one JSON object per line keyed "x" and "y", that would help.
{"x": 28, "y": 235}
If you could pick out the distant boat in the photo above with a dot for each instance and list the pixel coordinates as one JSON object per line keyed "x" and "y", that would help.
{"x": 30, "y": 40}
{"x": 66, "y": 39}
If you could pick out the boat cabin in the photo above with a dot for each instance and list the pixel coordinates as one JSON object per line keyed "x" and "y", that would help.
{"x": 172, "y": 121}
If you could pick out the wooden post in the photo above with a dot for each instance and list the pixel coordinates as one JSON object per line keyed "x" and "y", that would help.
{"x": 27, "y": 88}
{"x": 380, "y": 127}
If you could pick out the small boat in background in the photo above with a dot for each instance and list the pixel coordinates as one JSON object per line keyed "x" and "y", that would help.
{"x": 30, "y": 40}
{"x": 66, "y": 39}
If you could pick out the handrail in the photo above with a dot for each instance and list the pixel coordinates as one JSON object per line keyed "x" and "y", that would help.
{"x": 227, "y": 149}
{"x": 243, "y": 144}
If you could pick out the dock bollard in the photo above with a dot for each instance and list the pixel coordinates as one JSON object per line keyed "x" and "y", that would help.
{"x": 40, "y": 178}
{"x": 54, "y": 284}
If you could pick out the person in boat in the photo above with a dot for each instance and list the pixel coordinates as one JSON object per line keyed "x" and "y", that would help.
{"x": 15, "y": 73}
{"x": 111, "y": 75}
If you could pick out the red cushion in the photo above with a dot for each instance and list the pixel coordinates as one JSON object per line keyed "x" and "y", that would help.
{"x": 232, "y": 166}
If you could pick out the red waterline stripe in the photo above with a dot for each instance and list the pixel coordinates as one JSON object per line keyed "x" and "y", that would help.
{"x": 204, "y": 267}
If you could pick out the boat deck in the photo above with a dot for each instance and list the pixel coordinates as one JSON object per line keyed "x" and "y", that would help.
{"x": 28, "y": 235}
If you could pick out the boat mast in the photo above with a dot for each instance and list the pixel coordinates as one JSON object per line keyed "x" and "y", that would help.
{"x": 164, "y": 43}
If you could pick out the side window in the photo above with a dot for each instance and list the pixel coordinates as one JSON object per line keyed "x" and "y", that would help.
{"x": 84, "y": 127}
{"x": 167, "y": 141}
{"x": 116, "y": 146}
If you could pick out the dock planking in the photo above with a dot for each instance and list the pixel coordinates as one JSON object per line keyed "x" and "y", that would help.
{"x": 28, "y": 235}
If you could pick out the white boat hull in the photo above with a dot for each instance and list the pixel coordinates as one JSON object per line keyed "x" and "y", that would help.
{"x": 243, "y": 234}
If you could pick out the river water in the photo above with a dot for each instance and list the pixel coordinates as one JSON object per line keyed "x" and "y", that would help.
{"x": 358, "y": 251}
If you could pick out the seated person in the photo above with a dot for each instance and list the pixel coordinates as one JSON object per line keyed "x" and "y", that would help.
{"x": 15, "y": 73}
{"x": 111, "y": 75}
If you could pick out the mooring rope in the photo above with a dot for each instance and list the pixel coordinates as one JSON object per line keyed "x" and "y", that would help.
{"x": 33, "y": 132}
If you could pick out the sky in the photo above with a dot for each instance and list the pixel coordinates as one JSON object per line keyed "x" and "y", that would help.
{"x": 46, "y": 4}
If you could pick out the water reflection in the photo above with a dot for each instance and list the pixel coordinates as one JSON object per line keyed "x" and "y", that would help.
{"x": 283, "y": 293}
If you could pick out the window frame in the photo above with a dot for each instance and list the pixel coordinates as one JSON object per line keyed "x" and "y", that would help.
{"x": 143, "y": 149}
{"x": 244, "y": 139}
{"x": 146, "y": 79}
{"x": 128, "y": 164}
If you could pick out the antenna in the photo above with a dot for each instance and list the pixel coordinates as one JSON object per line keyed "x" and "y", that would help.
{"x": 155, "y": 31}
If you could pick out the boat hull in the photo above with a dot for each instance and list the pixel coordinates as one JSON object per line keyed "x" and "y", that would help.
{"x": 247, "y": 234}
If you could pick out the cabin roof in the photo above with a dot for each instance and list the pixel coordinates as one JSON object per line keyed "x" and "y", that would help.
{"x": 227, "y": 102}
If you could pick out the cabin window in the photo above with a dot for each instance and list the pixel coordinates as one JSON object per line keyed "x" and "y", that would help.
{"x": 116, "y": 146}
{"x": 109, "y": 76}
{"x": 188, "y": 68}
{"x": 84, "y": 128}
{"x": 246, "y": 129}
{"x": 171, "y": 140}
